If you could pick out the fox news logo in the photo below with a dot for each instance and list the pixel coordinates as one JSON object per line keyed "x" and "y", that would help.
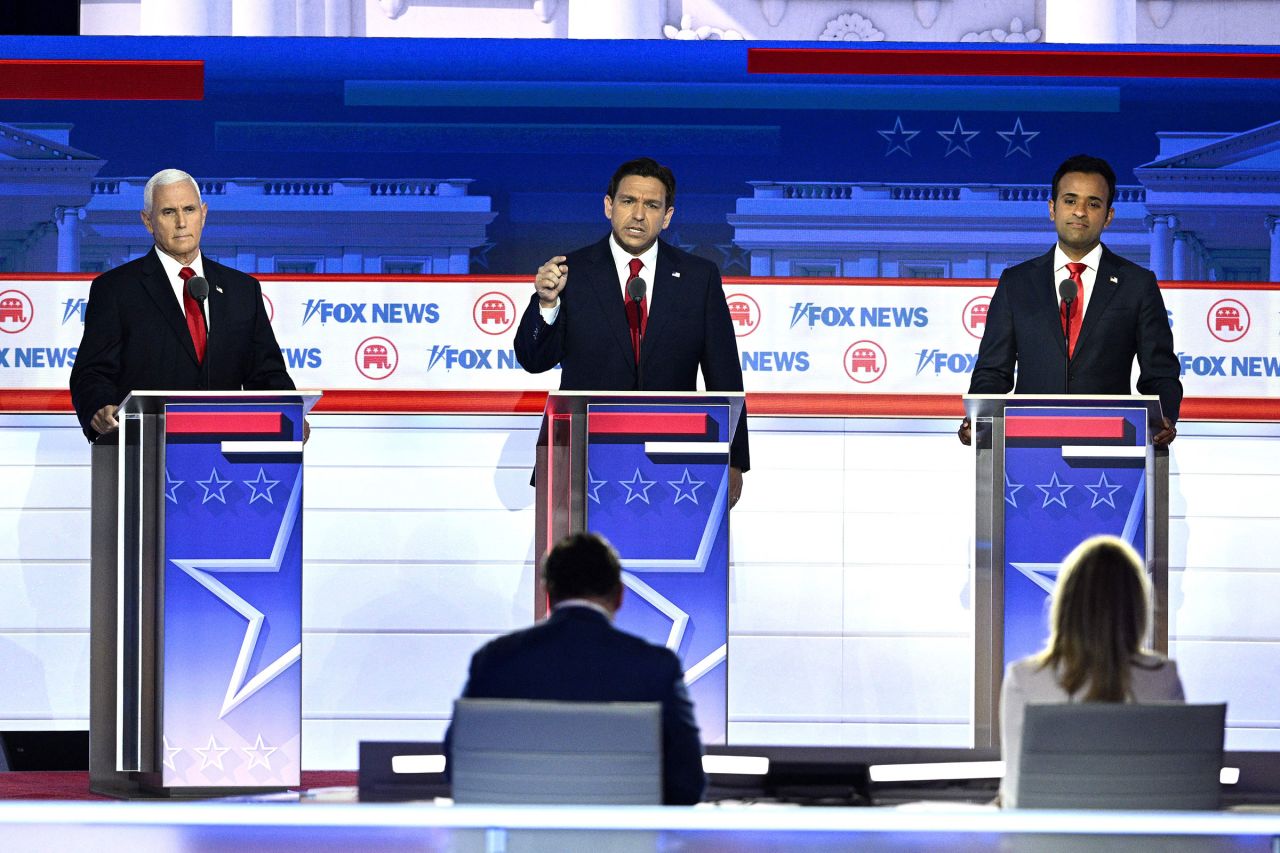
{"x": 1258, "y": 366}
{"x": 833, "y": 316}
{"x": 451, "y": 357}
{"x": 950, "y": 362}
{"x": 364, "y": 312}
{"x": 773, "y": 361}
{"x": 74, "y": 308}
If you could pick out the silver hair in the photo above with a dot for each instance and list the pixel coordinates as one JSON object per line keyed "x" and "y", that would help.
{"x": 163, "y": 178}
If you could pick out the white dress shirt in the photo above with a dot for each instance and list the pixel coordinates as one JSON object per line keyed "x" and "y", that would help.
{"x": 1088, "y": 276}
{"x": 172, "y": 266}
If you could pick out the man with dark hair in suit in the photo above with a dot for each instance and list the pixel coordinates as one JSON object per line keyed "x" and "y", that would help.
{"x": 145, "y": 329}
{"x": 604, "y": 341}
{"x": 577, "y": 655}
{"x": 1117, "y": 315}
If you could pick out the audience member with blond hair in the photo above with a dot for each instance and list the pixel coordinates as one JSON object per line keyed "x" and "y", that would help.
{"x": 1101, "y": 611}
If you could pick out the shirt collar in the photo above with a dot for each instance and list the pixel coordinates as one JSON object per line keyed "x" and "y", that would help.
{"x": 622, "y": 260}
{"x": 1091, "y": 260}
{"x": 584, "y": 602}
{"x": 172, "y": 266}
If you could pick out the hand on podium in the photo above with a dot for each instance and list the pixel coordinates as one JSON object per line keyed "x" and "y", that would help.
{"x": 966, "y": 437}
{"x": 1166, "y": 434}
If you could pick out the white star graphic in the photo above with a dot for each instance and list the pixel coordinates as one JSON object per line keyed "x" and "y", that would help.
{"x": 213, "y": 487}
{"x": 1010, "y": 491}
{"x": 212, "y": 754}
{"x": 171, "y": 487}
{"x": 593, "y": 486}
{"x": 958, "y": 139}
{"x": 1017, "y": 138}
{"x": 637, "y": 488}
{"x": 238, "y": 688}
{"x": 170, "y": 753}
{"x": 259, "y": 753}
{"x": 898, "y": 139}
{"x": 1054, "y": 486}
{"x": 686, "y": 488}
{"x": 261, "y": 487}
{"x": 1097, "y": 491}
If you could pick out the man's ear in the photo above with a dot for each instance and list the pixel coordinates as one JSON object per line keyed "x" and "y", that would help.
{"x": 146, "y": 220}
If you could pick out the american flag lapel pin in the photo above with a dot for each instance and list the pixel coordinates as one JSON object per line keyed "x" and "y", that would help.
{"x": 675, "y": 275}
{"x": 1115, "y": 280}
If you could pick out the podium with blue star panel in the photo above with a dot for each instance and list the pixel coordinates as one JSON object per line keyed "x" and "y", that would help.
{"x": 196, "y": 605}
{"x": 649, "y": 471}
{"x": 1051, "y": 472}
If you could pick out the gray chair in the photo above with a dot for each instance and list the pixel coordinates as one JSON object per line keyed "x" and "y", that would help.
{"x": 1104, "y": 755}
{"x": 524, "y": 751}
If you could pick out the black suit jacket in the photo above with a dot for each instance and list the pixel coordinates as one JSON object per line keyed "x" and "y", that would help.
{"x": 136, "y": 338}
{"x": 688, "y": 328}
{"x": 1125, "y": 319}
{"x": 577, "y": 655}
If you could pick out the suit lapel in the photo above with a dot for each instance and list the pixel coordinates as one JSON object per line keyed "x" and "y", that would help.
{"x": 1105, "y": 285}
{"x": 217, "y": 302}
{"x": 156, "y": 284}
{"x": 1046, "y": 302}
{"x": 604, "y": 284}
{"x": 664, "y": 280}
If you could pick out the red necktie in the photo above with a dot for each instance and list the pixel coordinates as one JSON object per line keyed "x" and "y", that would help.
{"x": 1074, "y": 269}
{"x": 195, "y": 316}
{"x": 637, "y": 316}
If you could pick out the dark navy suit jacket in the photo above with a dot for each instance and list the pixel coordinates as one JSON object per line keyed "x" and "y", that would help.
{"x": 1125, "y": 319}
{"x": 136, "y": 338}
{"x": 577, "y": 655}
{"x": 688, "y": 328}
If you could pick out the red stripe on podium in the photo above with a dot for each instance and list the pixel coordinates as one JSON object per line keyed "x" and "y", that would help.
{"x": 220, "y": 423}
{"x": 101, "y": 80}
{"x": 1013, "y": 63}
{"x": 647, "y": 423}
{"x": 1064, "y": 427}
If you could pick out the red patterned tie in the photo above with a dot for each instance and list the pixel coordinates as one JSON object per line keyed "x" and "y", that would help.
{"x": 1074, "y": 269}
{"x": 195, "y": 317}
{"x": 637, "y": 315}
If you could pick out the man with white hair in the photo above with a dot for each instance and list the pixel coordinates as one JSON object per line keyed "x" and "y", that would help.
{"x": 172, "y": 319}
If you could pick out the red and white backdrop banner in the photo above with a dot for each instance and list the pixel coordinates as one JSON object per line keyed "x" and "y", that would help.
{"x": 440, "y": 339}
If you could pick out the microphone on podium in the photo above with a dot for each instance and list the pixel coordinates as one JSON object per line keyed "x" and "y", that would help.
{"x": 1067, "y": 291}
{"x": 198, "y": 287}
{"x": 636, "y": 290}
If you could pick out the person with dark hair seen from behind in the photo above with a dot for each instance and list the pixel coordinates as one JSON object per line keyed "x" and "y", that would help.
{"x": 605, "y": 338}
{"x": 577, "y": 655}
{"x": 1085, "y": 344}
{"x": 1101, "y": 612}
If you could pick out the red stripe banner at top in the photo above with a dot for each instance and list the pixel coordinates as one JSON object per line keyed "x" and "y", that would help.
{"x": 1013, "y": 63}
{"x": 101, "y": 80}
{"x": 222, "y": 423}
{"x": 646, "y": 423}
{"x": 1064, "y": 427}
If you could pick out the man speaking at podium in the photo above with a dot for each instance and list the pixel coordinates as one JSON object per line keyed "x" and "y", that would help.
{"x": 172, "y": 319}
{"x": 640, "y": 314}
{"x": 1074, "y": 319}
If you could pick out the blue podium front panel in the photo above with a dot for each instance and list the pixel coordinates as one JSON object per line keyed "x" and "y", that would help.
{"x": 1070, "y": 474}
{"x": 657, "y": 488}
{"x": 231, "y": 675}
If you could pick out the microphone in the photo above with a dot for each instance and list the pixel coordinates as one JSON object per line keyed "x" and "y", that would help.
{"x": 1068, "y": 290}
{"x": 636, "y": 290}
{"x": 198, "y": 287}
